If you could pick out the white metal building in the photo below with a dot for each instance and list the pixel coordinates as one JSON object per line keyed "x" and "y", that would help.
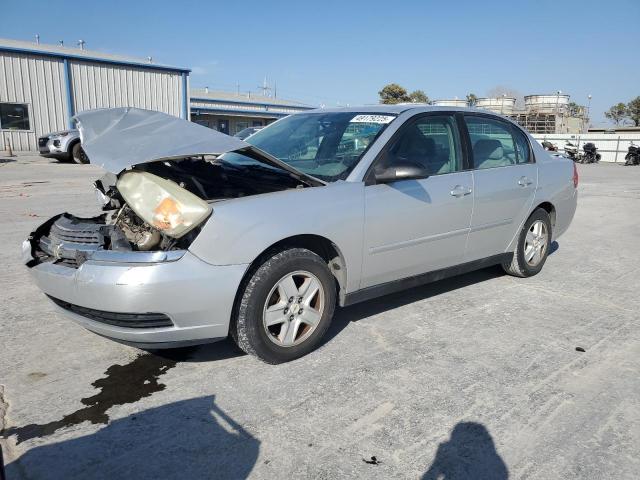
{"x": 43, "y": 86}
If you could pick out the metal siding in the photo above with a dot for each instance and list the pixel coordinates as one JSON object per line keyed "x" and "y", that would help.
{"x": 231, "y": 107}
{"x": 38, "y": 82}
{"x": 107, "y": 86}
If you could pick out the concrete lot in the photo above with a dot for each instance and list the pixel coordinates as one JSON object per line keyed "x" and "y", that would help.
{"x": 473, "y": 377}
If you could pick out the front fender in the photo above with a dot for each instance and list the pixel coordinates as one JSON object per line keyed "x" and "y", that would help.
{"x": 239, "y": 230}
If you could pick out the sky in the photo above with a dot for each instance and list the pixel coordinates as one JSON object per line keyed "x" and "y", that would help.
{"x": 343, "y": 52}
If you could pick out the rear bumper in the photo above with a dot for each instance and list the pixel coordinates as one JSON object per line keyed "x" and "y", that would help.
{"x": 197, "y": 297}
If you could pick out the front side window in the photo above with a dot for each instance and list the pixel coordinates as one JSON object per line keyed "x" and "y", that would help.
{"x": 325, "y": 145}
{"x": 14, "y": 116}
{"x": 431, "y": 142}
{"x": 491, "y": 142}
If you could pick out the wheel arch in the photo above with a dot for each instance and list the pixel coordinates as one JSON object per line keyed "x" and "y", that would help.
{"x": 72, "y": 144}
{"x": 550, "y": 209}
{"x": 318, "y": 244}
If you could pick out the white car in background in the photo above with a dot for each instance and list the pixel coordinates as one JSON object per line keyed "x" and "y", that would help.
{"x": 64, "y": 146}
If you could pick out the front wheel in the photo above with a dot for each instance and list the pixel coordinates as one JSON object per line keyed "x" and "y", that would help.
{"x": 286, "y": 306}
{"x": 533, "y": 246}
{"x": 78, "y": 155}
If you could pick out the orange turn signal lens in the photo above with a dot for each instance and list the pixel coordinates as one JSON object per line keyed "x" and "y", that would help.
{"x": 167, "y": 214}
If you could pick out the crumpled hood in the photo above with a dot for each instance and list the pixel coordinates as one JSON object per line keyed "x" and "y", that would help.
{"x": 119, "y": 138}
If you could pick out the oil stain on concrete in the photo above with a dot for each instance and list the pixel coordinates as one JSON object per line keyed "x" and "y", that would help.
{"x": 122, "y": 384}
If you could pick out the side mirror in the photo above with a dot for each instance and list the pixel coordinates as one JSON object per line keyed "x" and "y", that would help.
{"x": 401, "y": 171}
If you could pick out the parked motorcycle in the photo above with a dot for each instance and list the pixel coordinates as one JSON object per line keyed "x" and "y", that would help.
{"x": 571, "y": 151}
{"x": 551, "y": 147}
{"x": 591, "y": 154}
{"x": 633, "y": 155}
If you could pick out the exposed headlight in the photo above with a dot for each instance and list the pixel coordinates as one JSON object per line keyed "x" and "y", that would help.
{"x": 61, "y": 134}
{"x": 161, "y": 203}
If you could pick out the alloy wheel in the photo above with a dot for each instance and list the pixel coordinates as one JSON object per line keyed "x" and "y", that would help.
{"x": 536, "y": 243}
{"x": 293, "y": 308}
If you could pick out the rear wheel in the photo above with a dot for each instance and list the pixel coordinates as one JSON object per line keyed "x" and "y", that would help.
{"x": 78, "y": 155}
{"x": 533, "y": 246}
{"x": 286, "y": 306}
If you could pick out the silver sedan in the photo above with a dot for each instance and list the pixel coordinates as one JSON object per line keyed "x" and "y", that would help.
{"x": 205, "y": 235}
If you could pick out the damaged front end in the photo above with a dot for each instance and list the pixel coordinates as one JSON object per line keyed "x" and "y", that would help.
{"x": 120, "y": 234}
{"x": 128, "y": 273}
{"x": 165, "y": 175}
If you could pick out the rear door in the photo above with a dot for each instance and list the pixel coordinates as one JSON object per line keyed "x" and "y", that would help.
{"x": 505, "y": 182}
{"x": 419, "y": 225}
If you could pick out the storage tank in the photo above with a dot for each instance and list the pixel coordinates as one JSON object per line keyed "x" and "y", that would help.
{"x": 503, "y": 105}
{"x": 546, "y": 103}
{"x": 456, "y": 102}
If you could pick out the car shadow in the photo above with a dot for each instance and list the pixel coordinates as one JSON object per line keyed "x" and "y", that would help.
{"x": 469, "y": 454}
{"x": 354, "y": 313}
{"x": 208, "y": 352}
{"x": 186, "y": 439}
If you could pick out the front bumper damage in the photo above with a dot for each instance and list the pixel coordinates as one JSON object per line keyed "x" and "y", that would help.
{"x": 147, "y": 299}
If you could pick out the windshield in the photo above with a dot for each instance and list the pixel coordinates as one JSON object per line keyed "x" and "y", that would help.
{"x": 325, "y": 145}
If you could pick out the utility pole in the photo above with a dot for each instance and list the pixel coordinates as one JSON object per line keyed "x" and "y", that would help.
{"x": 557, "y": 111}
{"x": 265, "y": 88}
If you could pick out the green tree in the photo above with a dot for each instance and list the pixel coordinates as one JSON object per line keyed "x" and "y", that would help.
{"x": 617, "y": 113}
{"x": 393, "y": 93}
{"x": 418, "y": 96}
{"x": 472, "y": 99}
{"x": 633, "y": 111}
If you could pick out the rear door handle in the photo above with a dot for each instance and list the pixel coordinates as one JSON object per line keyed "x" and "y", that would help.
{"x": 524, "y": 182}
{"x": 460, "y": 191}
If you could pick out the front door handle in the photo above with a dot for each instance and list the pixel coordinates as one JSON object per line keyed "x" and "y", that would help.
{"x": 460, "y": 191}
{"x": 524, "y": 182}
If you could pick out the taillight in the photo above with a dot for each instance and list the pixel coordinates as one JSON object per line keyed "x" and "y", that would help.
{"x": 575, "y": 176}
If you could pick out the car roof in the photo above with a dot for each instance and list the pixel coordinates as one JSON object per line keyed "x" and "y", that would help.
{"x": 399, "y": 108}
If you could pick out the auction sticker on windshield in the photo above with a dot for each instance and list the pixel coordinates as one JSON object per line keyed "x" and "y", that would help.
{"x": 372, "y": 119}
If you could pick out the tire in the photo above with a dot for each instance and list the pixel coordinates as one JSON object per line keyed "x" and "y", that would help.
{"x": 78, "y": 155}
{"x": 519, "y": 266}
{"x": 262, "y": 295}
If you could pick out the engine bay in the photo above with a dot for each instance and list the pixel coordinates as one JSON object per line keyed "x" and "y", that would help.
{"x": 70, "y": 240}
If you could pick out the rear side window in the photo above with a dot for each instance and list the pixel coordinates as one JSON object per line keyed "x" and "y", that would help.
{"x": 492, "y": 142}
{"x": 523, "y": 153}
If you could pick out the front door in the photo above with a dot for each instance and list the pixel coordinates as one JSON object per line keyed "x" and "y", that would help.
{"x": 223, "y": 126}
{"x": 416, "y": 226}
{"x": 505, "y": 181}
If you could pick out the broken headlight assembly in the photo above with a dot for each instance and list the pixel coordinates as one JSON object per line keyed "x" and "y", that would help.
{"x": 162, "y": 204}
